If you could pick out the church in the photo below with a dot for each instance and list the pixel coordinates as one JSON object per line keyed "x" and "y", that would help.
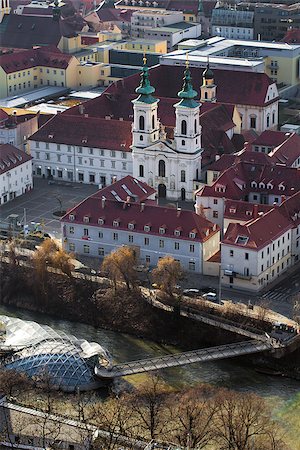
{"x": 170, "y": 165}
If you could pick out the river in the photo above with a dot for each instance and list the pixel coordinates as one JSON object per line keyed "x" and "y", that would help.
{"x": 282, "y": 393}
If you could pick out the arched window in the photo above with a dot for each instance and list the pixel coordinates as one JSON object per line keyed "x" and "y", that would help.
{"x": 161, "y": 168}
{"x": 205, "y": 95}
{"x": 253, "y": 122}
{"x": 182, "y": 176}
{"x": 182, "y": 194}
{"x": 183, "y": 127}
{"x": 141, "y": 137}
{"x": 142, "y": 123}
{"x": 141, "y": 171}
{"x": 195, "y": 126}
{"x": 153, "y": 122}
{"x": 268, "y": 120}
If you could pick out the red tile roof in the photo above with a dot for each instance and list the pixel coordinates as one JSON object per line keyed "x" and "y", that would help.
{"x": 259, "y": 232}
{"x": 149, "y": 214}
{"x": 237, "y": 181}
{"x": 86, "y": 131}
{"x": 128, "y": 186}
{"x": 13, "y": 62}
{"x": 290, "y": 208}
{"x": 11, "y": 157}
{"x": 227, "y": 161}
{"x": 115, "y": 15}
{"x": 244, "y": 211}
{"x": 271, "y": 138}
{"x": 287, "y": 152}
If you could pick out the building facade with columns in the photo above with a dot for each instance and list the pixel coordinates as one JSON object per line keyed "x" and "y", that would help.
{"x": 169, "y": 165}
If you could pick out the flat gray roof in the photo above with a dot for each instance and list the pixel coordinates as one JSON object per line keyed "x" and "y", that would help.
{"x": 33, "y": 96}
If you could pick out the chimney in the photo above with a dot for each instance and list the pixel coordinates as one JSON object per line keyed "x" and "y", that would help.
{"x": 255, "y": 211}
{"x": 128, "y": 199}
{"x": 178, "y": 212}
{"x": 81, "y": 109}
{"x": 103, "y": 202}
{"x": 283, "y": 198}
{"x": 142, "y": 207}
{"x": 114, "y": 179}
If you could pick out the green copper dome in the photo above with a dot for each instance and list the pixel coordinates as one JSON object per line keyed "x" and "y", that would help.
{"x": 187, "y": 93}
{"x": 145, "y": 90}
{"x": 208, "y": 73}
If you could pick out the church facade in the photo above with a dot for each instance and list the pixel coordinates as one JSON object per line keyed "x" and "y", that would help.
{"x": 170, "y": 166}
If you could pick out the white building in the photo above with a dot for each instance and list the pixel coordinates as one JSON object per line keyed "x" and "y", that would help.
{"x": 232, "y": 23}
{"x": 144, "y": 20}
{"x": 124, "y": 214}
{"x": 15, "y": 173}
{"x": 82, "y": 149}
{"x": 15, "y": 129}
{"x": 170, "y": 166}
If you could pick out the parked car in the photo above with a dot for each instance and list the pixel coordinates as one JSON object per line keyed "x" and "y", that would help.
{"x": 191, "y": 292}
{"x": 211, "y": 297}
{"x": 208, "y": 289}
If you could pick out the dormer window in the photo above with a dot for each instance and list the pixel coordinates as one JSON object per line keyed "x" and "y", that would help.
{"x": 269, "y": 186}
{"x": 162, "y": 230}
{"x": 116, "y": 223}
{"x": 177, "y": 232}
{"x": 242, "y": 240}
{"x": 192, "y": 235}
{"x": 100, "y": 221}
{"x": 86, "y": 219}
{"x": 248, "y": 213}
{"x": 281, "y": 187}
{"x": 147, "y": 228}
{"x": 220, "y": 188}
{"x": 262, "y": 185}
{"x": 131, "y": 226}
{"x": 206, "y": 232}
{"x": 253, "y": 184}
{"x": 232, "y": 210}
{"x": 71, "y": 217}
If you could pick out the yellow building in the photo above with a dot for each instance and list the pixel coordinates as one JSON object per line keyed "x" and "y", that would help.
{"x": 146, "y": 45}
{"x": 284, "y": 69}
{"x": 32, "y": 69}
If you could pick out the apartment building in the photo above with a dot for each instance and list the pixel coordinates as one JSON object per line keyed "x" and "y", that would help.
{"x": 124, "y": 214}
{"x": 15, "y": 127}
{"x": 232, "y": 23}
{"x": 15, "y": 173}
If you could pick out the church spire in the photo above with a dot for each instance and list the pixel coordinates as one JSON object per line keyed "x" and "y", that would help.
{"x": 187, "y": 93}
{"x": 145, "y": 90}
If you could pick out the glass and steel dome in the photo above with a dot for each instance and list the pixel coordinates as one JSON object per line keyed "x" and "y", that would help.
{"x": 40, "y": 351}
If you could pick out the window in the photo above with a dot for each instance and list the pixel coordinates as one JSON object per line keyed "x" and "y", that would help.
{"x": 79, "y": 149}
{"x": 124, "y": 155}
{"x": 215, "y": 201}
{"x": 182, "y": 176}
{"x": 215, "y": 214}
{"x": 69, "y": 159}
{"x": 37, "y": 155}
{"x": 195, "y": 126}
{"x": 161, "y": 168}
{"x": 161, "y": 243}
{"x": 102, "y": 163}
{"x": 192, "y": 248}
{"x": 86, "y": 249}
{"x": 146, "y": 241}
{"x": 142, "y": 123}
{"x": 86, "y": 219}
{"x": 113, "y": 164}
{"x": 183, "y": 127}
{"x": 131, "y": 226}
{"x": 100, "y": 235}
{"x": 100, "y": 251}
{"x": 253, "y": 122}
{"x": 141, "y": 170}
{"x": 115, "y": 236}
{"x": 192, "y": 266}
{"x": 91, "y": 151}
{"x": 148, "y": 260}
{"x": 85, "y": 232}
{"x": 115, "y": 223}
{"x": 231, "y": 253}
{"x": 71, "y": 230}
{"x": 176, "y": 245}
{"x": 130, "y": 238}
{"x": 153, "y": 122}
{"x": 113, "y": 153}
{"x": 246, "y": 255}
{"x": 72, "y": 247}
{"x": 91, "y": 161}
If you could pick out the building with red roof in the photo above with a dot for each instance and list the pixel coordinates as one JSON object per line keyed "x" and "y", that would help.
{"x": 282, "y": 148}
{"x": 245, "y": 179}
{"x": 255, "y": 253}
{"x": 26, "y": 70}
{"x": 15, "y": 173}
{"x": 15, "y": 128}
{"x": 124, "y": 214}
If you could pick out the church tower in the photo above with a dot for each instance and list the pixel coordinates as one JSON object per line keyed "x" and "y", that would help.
{"x": 4, "y": 8}
{"x": 145, "y": 129}
{"x": 208, "y": 88}
{"x": 188, "y": 130}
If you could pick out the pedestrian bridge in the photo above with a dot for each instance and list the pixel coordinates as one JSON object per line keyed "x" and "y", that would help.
{"x": 181, "y": 359}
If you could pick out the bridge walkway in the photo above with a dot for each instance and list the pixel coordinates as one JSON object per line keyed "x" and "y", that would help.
{"x": 180, "y": 359}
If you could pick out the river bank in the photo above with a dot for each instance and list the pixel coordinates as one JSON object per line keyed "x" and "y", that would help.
{"x": 81, "y": 300}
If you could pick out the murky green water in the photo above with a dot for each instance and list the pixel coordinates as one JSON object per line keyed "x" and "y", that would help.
{"x": 282, "y": 393}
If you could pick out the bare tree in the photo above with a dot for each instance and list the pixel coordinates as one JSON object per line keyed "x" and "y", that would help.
{"x": 167, "y": 274}
{"x": 120, "y": 267}
{"x": 148, "y": 406}
{"x": 243, "y": 422}
{"x": 192, "y": 418}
